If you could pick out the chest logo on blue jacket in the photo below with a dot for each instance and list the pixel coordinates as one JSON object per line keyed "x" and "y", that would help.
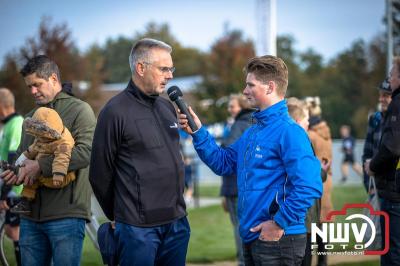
{"x": 175, "y": 125}
{"x": 258, "y": 155}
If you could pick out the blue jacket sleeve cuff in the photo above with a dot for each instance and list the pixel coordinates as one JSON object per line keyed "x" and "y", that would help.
{"x": 280, "y": 220}
{"x": 200, "y": 134}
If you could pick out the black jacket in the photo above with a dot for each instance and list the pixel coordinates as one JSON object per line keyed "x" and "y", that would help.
{"x": 383, "y": 164}
{"x": 137, "y": 172}
{"x": 242, "y": 122}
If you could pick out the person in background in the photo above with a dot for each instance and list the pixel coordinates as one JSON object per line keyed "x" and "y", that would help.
{"x": 375, "y": 122}
{"x": 320, "y": 136}
{"x": 137, "y": 171}
{"x": 348, "y": 145}
{"x": 10, "y": 136}
{"x": 385, "y": 167}
{"x": 54, "y": 230}
{"x": 239, "y": 109}
{"x": 188, "y": 179}
{"x": 298, "y": 110}
{"x": 278, "y": 174}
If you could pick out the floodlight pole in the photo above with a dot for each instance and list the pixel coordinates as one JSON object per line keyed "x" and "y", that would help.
{"x": 389, "y": 20}
{"x": 266, "y": 27}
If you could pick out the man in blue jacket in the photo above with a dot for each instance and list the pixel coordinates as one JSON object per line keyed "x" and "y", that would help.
{"x": 278, "y": 174}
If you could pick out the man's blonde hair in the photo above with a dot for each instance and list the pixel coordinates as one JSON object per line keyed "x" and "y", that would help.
{"x": 297, "y": 108}
{"x": 314, "y": 105}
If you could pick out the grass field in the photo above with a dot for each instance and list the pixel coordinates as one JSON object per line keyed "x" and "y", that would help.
{"x": 364, "y": 263}
{"x": 212, "y": 236}
{"x": 211, "y": 191}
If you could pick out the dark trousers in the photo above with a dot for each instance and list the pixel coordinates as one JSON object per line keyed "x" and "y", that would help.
{"x": 391, "y": 258}
{"x": 231, "y": 204}
{"x": 308, "y": 255}
{"x": 147, "y": 246}
{"x": 289, "y": 250}
{"x": 322, "y": 259}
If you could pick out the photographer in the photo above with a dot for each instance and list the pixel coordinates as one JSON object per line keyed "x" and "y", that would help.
{"x": 385, "y": 167}
{"x": 10, "y": 138}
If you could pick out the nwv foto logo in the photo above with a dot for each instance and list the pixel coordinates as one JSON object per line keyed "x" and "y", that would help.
{"x": 336, "y": 235}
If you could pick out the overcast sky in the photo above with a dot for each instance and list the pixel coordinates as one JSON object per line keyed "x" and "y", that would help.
{"x": 327, "y": 26}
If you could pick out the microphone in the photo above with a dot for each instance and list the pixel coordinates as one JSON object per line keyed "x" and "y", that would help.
{"x": 175, "y": 95}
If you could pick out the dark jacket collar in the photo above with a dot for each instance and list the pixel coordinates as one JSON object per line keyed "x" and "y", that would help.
{"x": 272, "y": 112}
{"x": 314, "y": 120}
{"x": 140, "y": 95}
{"x": 8, "y": 118}
{"x": 67, "y": 88}
{"x": 395, "y": 93}
{"x": 244, "y": 114}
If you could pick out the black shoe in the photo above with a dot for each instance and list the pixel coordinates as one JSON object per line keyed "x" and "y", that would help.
{"x": 344, "y": 179}
{"x": 23, "y": 207}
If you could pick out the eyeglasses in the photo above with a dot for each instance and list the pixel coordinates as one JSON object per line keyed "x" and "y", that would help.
{"x": 164, "y": 70}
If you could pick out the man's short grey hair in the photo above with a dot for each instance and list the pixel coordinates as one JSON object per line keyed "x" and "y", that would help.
{"x": 141, "y": 51}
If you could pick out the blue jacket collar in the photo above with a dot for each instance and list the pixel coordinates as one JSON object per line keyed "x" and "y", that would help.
{"x": 271, "y": 113}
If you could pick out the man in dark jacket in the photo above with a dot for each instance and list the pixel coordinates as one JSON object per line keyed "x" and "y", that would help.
{"x": 383, "y": 166}
{"x": 55, "y": 229}
{"x": 239, "y": 109}
{"x": 375, "y": 122}
{"x": 137, "y": 172}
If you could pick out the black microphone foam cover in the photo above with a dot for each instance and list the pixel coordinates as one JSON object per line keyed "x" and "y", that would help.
{"x": 174, "y": 93}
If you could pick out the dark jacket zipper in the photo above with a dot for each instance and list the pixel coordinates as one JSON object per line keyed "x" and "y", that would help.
{"x": 169, "y": 148}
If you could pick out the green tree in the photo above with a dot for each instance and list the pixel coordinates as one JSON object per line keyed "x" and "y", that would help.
{"x": 116, "y": 63}
{"x": 311, "y": 63}
{"x": 311, "y": 69}
{"x": 286, "y": 51}
{"x": 54, "y": 41}
{"x": 346, "y": 85}
{"x": 222, "y": 72}
{"x": 187, "y": 60}
{"x": 349, "y": 89}
{"x": 11, "y": 79}
{"x": 94, "y": 75}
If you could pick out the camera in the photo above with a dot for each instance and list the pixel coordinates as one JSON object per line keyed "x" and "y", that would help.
{"x": 4, "y": 165}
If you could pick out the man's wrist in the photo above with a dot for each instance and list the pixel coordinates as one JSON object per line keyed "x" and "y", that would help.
{"x": 275, "y": 223}
{"x": 278, "y": 220}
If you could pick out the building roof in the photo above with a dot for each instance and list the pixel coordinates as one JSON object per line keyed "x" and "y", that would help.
{"x": 186, "y": 84}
